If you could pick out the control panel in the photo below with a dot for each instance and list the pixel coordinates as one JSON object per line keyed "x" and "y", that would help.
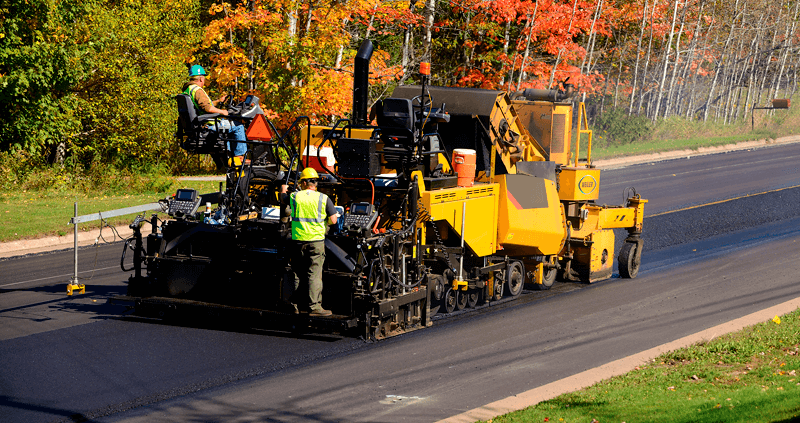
{"x": 247, "y": 109}
{"x": 361, "y": 216}
{"x": 184, "y": 203}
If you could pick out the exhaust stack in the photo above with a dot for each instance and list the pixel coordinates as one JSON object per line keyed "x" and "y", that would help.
{"x": 361, "y": 83}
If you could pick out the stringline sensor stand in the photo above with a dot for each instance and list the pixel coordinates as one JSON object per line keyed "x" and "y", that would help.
{"x": 74, "y": 285}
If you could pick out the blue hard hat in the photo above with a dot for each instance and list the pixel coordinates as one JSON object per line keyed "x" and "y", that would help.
{"x": 197, "y": 70}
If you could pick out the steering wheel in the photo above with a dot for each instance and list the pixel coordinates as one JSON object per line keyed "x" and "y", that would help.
{"x": 421, "y": 102}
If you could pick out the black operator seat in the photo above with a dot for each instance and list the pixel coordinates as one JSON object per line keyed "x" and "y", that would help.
{"x": 199, "y": 138}
{"x": 396, "y": 118}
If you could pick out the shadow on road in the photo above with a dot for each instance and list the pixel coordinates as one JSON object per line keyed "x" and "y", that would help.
{"x": 69, "y": 416}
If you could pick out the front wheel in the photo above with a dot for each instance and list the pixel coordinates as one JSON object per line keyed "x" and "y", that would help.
{"x": 548, "y": 279}
{"x": 630, "y": 257}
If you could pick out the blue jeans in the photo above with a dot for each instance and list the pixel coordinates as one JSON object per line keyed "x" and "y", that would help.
{"x": 237, "y": 130}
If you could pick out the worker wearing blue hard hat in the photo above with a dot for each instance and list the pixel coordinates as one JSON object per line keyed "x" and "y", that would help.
{"x": 203, "y": 105}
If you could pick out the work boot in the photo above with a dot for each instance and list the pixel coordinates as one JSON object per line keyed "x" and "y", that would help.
{"x": 320, "y": 312}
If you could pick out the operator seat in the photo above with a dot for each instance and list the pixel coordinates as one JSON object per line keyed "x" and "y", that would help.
{"x": 193, "y": 133}
{"x": 396, "y": 120}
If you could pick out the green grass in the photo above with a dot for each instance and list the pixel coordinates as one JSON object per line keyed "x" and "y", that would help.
{"x": 746, "y": 376}
{"x": 677, "y": 133}
{"x": 658, "y": 146}
{"x": 37, "y": 213}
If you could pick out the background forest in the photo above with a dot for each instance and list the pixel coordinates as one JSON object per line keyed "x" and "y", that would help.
{"x": 88, "y": 84}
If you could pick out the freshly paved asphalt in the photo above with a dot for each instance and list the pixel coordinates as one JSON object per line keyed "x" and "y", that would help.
{"x": 79, "y": 359}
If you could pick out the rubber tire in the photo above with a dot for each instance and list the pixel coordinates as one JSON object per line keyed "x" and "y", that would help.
{"x": 473, "y": 298}
{"x": 450, "y": 300}
{"x": 630, "y": 258}
{"x": 436, "y": 284}
{"x": 547, "y": 281}
{"x": 516, "y": 270}
{"x": 461, "y": 300}
{"x": 498, "y": 287}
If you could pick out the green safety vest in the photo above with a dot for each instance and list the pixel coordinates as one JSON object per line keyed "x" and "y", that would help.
{"x": 308, "y": 215}
{"x": 190, "y": 90}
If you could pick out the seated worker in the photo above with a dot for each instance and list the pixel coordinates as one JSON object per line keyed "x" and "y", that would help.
{"x": 203, "y": 104}
{"x": 311, "y": 212}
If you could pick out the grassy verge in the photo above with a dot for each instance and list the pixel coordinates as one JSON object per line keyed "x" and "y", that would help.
{"x": 659, "y": 146}
{"x": 746, "y": 376}
{"x": 627, "y": 136}
{"x": 38, "y": 213}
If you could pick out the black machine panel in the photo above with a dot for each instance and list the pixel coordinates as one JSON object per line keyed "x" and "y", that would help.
{"x": 185, "y": 203}
{"x": 360, "y": 216}
{"x": 357, "y": 158}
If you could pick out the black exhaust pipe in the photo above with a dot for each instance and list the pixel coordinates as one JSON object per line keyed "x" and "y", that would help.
{"x": 361, "y": 83}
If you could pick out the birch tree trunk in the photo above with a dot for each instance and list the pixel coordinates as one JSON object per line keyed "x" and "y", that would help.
{"x": 693, "y": 94}
{"x": 671, "y": 90}
{"x": 592, "y": 37}
{"x": 788, "y": 36}
{"x": 789, "y": 94}
{"x": 647, "y": 57}
{"x": 765, "y": 69}
{"x": 619, "y": 74}
{"x": 561, "y": 50}
{"x": 340, "y": 52}
{"x": 466, "y": 51}
{"x": 638, "y": 56}
{"x": 689, "y": 61}
{"x": 430, "y": 10}
{"x": 231, "y": 40}
{"x": 506, "y": 38}
{"x": 666, "y": 62}
{"x": 719, "y": 68}
{"x": 291, "y": 18}
{"x": 733, "y": 82}
{"x": 752, "y": 75}
{"x": 307, "y": 28}
{"x": 372, "y": 19}
{"x": 407, "y": 47}
{"x": 531, "y": 21}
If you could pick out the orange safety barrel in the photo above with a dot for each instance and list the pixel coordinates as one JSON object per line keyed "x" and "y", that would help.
{"x": 464, "y": 165}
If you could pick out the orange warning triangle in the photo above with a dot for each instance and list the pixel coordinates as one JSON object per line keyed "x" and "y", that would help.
{"x": 258, "y": 129}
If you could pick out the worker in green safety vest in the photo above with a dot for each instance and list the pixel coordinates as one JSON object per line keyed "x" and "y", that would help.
{"x": 311, "y": 212}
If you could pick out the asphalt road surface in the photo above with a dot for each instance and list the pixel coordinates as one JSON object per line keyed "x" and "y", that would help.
{"x": 80, "y": 359}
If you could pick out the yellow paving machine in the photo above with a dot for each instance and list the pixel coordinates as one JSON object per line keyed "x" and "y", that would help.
{"x": 450, "y": 198}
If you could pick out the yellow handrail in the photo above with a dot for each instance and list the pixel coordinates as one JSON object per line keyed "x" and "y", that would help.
{"x": 583, "y": 128}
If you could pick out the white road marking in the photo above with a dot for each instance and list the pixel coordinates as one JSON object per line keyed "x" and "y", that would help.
{"x": 394, "y": 399}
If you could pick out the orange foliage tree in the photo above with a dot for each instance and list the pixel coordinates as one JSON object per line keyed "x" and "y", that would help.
{"x": 295, "y": 55}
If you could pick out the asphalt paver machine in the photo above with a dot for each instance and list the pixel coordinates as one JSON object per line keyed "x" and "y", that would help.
{"x": 450, "y": 198}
